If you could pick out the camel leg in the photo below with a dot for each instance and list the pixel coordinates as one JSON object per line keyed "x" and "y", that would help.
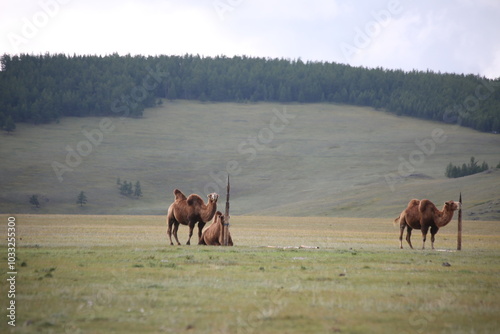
{"x": 401, "y": 230}
{"x": 176, "y": 227}
{"x": 408, "y": 236}
{"x": 200, "y": 229}
{"x": 191, "y": 227}
{"x": 169, "y": 232}
{"x": 424, "y": 235}
{"x": 434, "y": 230}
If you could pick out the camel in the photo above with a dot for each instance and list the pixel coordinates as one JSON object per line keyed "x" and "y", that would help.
{"x": 189, "y": 211}
{"x": 409, "y": 218}
{"x": 422, "y": 215}
{"x": 431, "y": 217}
{"x": 214, "y": 234}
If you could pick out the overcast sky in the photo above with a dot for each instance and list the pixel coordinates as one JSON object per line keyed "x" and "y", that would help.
{"x": 460, "y": 36}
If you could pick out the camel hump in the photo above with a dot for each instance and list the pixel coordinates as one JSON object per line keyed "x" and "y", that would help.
{"x": 194, "y": 199}
{"x": 179, "y": 195}
{"x": 425, "y": 204}
{"x": 414, "y": 202}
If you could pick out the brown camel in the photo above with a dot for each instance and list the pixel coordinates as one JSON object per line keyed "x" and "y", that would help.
{"x": 422, "y": 215}
{"x": 214, "y": 234}
{"x": 189, "y": 211}
{"x": 409, "y": 218}
{"x": 431, "y": 217}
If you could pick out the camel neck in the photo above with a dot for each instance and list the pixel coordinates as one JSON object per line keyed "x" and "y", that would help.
{"x": 208, "y": 211}
{"x": 445, "y": 217}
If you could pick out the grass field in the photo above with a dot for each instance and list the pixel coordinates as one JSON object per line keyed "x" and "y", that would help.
{"x": 328, "y": 160}
{"x": 117, "y": 274}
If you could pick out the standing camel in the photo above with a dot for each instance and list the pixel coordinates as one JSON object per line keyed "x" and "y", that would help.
{"x": 189, "y": 211}
{"x": 422, "y": 215}
{"x": 431, "y": 217}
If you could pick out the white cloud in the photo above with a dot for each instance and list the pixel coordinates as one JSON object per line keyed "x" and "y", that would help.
{"x": 134, "y": 27}
{"x": 436, "y": 38}
{"x": 491, "y": 69}
{"x": 280, "y": 10}
{"x": 391, "y": 48}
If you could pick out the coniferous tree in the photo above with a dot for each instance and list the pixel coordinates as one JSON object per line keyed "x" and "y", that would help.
{"x": 81, "y": 199}
{"x": 137, "y": 189}
{"x": 34, "y": 201}
{"x": 123, "y": 187}
{"x": 452, "y": 171}
{"x": 126, "y": 188}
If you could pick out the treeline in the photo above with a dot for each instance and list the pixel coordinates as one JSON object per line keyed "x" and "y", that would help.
{"x": 43, "y": 88}
{"x": 473, "y": 167}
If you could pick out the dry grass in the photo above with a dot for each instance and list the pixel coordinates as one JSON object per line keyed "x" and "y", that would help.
{"x": 253, "y": 231}
{"x": 329, "y": 160}
{"x": 116, "y": 274}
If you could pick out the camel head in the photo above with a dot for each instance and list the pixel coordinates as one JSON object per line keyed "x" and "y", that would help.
{"x": 452, "y": 205}
{"x": 213, "y": 197}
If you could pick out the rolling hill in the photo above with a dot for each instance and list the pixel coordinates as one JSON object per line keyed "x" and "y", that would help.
{"x": 284, "y": 159}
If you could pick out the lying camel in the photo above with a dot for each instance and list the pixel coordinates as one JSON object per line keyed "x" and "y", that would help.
{"x": 214, "y": 234}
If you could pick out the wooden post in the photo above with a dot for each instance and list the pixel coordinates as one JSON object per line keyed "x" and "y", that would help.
{"x": 226, "y": 216}
{"x": 459, "y": 235}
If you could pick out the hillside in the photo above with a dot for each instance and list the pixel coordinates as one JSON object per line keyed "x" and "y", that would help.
{"x": 285, "y": 159}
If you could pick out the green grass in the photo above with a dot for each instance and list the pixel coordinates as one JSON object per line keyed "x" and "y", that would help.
{"x": 329, "y": 160}
{"x": 117, "y": 274}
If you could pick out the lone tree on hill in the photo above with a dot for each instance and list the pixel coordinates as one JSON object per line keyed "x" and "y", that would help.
{"x": 81, "y": 199}
{"x": 34, "y": 201}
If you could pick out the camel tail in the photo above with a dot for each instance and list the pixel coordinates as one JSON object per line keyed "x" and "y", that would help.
{"x": 396, "y": 221}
